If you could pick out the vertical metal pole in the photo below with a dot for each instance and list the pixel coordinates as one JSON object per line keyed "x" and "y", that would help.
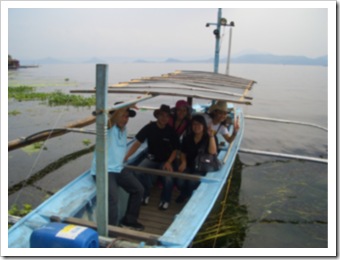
{"x": 101, "y": 149}
{"x": 229, "y": 48}
{"x": 217, "y": 46}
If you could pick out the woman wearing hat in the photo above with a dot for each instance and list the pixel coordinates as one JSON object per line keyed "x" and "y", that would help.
{"x": 180, "y": 120}
{"x": 163, "y": 143}
{"x": 118, "y": 176}
{"x": 216, "y": 120}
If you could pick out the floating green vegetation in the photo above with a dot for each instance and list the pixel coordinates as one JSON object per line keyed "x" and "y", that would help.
{"x": 33, "y": 148}
{"x": 15, "y": 211}
{"x": 57, "y": 98}
{"x": 87, "y": 142}
{"x": 14, "y": 112}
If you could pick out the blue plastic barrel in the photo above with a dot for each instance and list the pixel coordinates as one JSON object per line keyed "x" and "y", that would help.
{"x": 60, "y": 235}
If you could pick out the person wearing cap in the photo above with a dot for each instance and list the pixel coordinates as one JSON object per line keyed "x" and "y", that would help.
{"x": 217, "y": 118}
{"x": 163, "y": 143}
{"x": 118, "y": 175}
{"x": 180, "y": 119}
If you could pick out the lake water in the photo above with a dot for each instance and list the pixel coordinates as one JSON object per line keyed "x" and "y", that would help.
{"x": 273, "y": 202}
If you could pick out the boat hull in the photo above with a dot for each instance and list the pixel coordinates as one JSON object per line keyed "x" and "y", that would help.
{"x": 78, "y": 198}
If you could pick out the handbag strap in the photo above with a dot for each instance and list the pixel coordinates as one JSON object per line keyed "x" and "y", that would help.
{"x": 203, "y": 146}
{"x": 218, "y": 129}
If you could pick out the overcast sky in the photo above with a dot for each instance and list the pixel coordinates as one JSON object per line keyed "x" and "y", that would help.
{"x": 164, "y": 32}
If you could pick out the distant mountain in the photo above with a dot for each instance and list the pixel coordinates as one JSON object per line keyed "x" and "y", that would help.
{"x": 252, "y": 58}
{"x": 94, "y": 60}
{"x": 258, "y": 58}
{"x": 172, "y": 60}
{"x": 277, "y": 59}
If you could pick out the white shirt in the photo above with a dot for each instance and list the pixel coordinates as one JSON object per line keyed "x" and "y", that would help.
{"x": 219, "y": 128}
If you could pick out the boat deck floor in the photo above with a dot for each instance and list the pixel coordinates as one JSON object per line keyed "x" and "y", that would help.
{"x": 157, "y": 221}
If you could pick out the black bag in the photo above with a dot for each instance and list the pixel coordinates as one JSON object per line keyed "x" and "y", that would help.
{"x": 205, "y": 162}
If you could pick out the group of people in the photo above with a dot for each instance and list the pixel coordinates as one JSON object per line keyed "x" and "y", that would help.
{"x": 173, "y": 142}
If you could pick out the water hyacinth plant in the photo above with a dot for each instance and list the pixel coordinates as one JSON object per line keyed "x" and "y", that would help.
{"x": 56, "y": 98}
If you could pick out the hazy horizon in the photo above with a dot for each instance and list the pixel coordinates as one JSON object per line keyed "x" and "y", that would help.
{"x": 148, "y": 33}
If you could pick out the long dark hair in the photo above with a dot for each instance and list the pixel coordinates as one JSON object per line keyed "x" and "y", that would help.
{"x": 200, "y": 119}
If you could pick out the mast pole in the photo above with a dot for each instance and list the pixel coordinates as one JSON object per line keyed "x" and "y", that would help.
{"x": 220, "y": 21}
{"x": 217, "y": 45}
{"x": 101, "y": 149}
{"x": 229, "y": 49}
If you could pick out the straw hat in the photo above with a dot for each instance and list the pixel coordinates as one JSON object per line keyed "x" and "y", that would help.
{"x": 220, "y": 105}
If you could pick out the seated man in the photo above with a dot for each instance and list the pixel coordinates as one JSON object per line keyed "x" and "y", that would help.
{"x": 163, "y": 143}
{"x": 119, "y": 176}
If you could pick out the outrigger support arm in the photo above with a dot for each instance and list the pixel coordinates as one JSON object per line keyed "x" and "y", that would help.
{"x": 44, "y": 135}
{"x": 284, "y": 121}
{"x": 284, "y": 155}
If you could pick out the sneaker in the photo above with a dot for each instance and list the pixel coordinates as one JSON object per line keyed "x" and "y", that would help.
{"x": 163, "y": 205}
{"x": 134, "y": 225}
{"x": 145, "y": 201}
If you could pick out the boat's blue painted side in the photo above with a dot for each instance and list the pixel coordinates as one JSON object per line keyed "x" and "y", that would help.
{"x": 191, "y": 218}
{"x": 69, "y": 201}
{"x": 65, "y": 203}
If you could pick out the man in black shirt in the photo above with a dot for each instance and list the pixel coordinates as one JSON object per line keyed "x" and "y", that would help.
{"x": 163, "y": 144}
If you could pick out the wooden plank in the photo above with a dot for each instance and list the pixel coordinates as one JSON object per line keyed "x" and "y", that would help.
{"x": 158, "y": 221}
{"x": 203, "y": 75}
{"x": 207, "y": 84}
{"x": 107, "y": 242}
{"x": 180, "y": 175}
{"x": 247, "y": 90}
{"x": 115, "y": 231}
{"x": 191, "y": 87}
{"x": 174, "y": 93}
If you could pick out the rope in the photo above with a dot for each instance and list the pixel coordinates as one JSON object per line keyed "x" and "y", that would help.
{"x": 224, "y": 207}
{"x": 40, "y": 152}
{"x": 224, "y": 202}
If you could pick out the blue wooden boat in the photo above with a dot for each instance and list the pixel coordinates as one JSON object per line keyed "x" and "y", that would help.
{"x": 77, "y": 203}
{"x": 175, "y": 228}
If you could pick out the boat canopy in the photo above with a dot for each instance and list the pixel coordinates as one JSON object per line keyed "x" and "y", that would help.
{"x": 190, "y": 84}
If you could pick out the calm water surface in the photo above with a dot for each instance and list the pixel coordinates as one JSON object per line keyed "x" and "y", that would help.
{"x": 272, "y": 203}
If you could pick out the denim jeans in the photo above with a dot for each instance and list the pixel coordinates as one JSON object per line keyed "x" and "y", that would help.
{"x": 131, "y": 185}
{"x": 188, "y": 186}
{"x": 147, "y": 179}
